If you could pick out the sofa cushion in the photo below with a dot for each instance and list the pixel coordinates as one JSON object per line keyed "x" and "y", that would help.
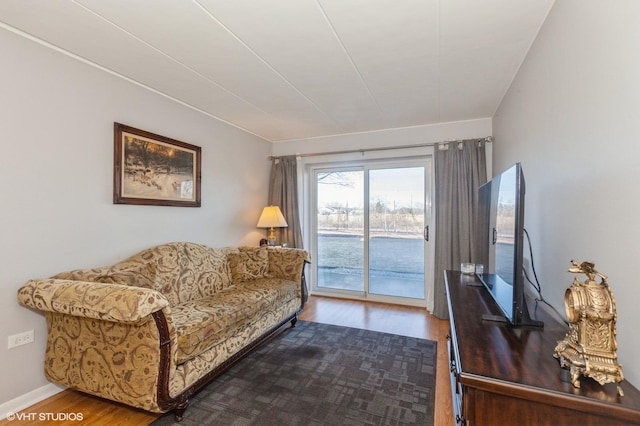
{"x": 82, "y": 274}
{"x": 185, "y": 271}
{"x": 201, "y": 324}
{"x": 138, "y": 276}
{"x": 251, "y": 263}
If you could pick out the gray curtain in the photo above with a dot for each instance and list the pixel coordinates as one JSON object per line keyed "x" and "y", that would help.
{"x": 283, "y": 192}
{"x": 459, "y": 171}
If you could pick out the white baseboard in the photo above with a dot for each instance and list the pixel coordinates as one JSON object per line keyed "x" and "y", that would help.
{"x": 29, "y": 398}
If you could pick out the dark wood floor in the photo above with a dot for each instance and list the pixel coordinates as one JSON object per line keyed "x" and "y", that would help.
{"x": 403, "y": 320}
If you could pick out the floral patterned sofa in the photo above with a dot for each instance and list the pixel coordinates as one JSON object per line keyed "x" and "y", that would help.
{"x": 153, "y": 329}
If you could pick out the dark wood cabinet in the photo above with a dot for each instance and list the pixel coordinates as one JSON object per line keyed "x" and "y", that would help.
{"x": 501, "y": 375}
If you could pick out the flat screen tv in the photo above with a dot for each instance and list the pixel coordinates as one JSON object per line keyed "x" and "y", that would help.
{"x": 501, "y": 237}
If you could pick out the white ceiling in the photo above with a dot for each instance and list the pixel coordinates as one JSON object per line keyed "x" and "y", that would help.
{"x": 290, "y": 69}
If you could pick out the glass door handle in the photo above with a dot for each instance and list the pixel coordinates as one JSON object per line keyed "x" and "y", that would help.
{"x": 426, "y": 233}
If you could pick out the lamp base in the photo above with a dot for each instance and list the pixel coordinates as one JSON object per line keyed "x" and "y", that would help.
{"x": 271, "y": 237}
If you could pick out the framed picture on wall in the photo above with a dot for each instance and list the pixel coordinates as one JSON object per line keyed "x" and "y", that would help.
{"x": 150, "y": 169}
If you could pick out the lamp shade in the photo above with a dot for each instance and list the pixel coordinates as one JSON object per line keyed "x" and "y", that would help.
{"x": 271, "y": 217}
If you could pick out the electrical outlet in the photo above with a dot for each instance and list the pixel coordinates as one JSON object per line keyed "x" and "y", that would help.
{"x": 21, "y": 339}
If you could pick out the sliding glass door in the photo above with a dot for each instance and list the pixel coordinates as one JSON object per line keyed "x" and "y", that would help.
{"x": 371, "y": 229}
{"x": 340, "y": 229}
{"x": 397, "y": 231}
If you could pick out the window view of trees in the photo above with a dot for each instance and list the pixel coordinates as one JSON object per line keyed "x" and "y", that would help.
{"x": 387, "y": 215}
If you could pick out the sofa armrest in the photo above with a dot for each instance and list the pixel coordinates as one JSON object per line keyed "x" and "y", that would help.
{"x": 110, "y": 302}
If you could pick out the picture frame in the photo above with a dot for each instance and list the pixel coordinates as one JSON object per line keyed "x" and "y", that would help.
{"x": 150, "y": 169}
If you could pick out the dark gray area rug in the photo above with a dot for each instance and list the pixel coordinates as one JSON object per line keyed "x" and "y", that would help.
{"x": 320, "y": 374}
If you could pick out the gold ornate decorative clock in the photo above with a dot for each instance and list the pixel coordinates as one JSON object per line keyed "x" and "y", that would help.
{"x": 589, "y": 348}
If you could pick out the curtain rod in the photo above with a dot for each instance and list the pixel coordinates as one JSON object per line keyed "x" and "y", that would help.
{"x": 487, "y": 139}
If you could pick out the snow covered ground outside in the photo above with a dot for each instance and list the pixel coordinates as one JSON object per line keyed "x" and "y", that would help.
{"x": 174, "y": 186}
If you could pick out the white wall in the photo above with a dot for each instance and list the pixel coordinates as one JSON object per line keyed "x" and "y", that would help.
{"x": 572, "y": 118}
{"x": 56, "y": 172}
{"x": 387, "y": 138}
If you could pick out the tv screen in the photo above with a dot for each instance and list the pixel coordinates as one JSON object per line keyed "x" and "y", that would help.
{"x": 501, "y": 232}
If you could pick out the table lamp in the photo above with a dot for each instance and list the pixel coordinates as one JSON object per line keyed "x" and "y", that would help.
{"x": 271, "y": 218}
